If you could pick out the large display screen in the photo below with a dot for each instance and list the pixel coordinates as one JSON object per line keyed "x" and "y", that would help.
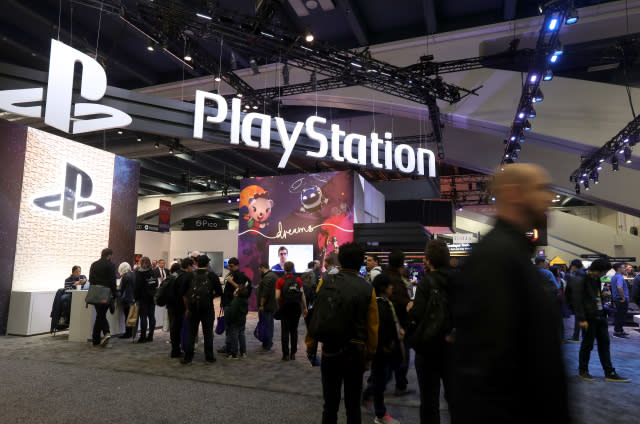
{"x": 299, "y": 254}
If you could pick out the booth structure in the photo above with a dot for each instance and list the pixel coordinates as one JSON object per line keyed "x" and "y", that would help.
{"x": 62, "y": 203}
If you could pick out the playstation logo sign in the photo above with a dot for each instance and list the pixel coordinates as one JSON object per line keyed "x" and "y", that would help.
{"x": 77, "y": 187}
{"x": 59, "y": 95}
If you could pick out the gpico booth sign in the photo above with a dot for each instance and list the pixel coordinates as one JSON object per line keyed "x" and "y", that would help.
{"x": 55, "y": 104}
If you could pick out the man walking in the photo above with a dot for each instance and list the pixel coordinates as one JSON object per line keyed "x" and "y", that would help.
{"x": 590, "y": 313}
{"x": 508, "y": 363}
{"x": 267, "y": 304}
{"x": 103, "y": 273}
{"x": 620, "y": 295}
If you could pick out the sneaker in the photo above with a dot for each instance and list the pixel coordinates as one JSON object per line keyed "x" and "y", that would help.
{"x": 184, "y": 361}
{"x": 210, "y": 360}
{"x": 615, "y": 378}
{"x": 231, "y": 356}
{"x": 586, "y": 376}
{"x": 385, "y": 420}
{"x": 620, "y": 335}
{"x": 243, "y": 355}
{"x": 105, "y": 339}
{"x": 573, "y": 340}
{"x": 263, "y": 350}
{"x": 142, "y": 340}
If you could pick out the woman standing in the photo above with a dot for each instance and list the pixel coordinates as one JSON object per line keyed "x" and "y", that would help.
{"x": 145, "y": 290}
{"x": 127, "y": 289}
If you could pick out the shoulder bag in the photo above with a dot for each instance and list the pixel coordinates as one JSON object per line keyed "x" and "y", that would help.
{"x": 98, "y": 295}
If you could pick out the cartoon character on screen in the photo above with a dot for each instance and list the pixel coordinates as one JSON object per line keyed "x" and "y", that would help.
{"x": 260, "y": 207}
{"x": 312, "y": 199}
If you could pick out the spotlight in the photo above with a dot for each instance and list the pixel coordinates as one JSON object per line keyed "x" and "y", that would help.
{"x": 533, "y": 78}
{"x": 627, "y": 155}
{"x": 170, "y": 150}
{"x": 218, "y": 79}
{"x": 239, "y": 95}
{"x": 156, "y": 145}
{"x": 614, "y": 163}
{"x": 548, "y": 75}
{"x": 150, "y": 46}
{"x": 228, "y": 200}
{"x": 254, "y": 66}
{"x": 554, "y": 58}
{"x": 600, "y": 160}
{"x": 532, "y": 112}
{"x": 139, "y": 138}
{"x": 599, "y": 168}
{"x": 517, "y": 147}
{"x": 572, "y": 16}
{"x": 514, "y": 156}
{"x": 255, "y": 107}
{"x": 187, "y": 56}
{"x": 247, "y": 106}
{"x": 308, "y": 36}
{"x": 513, "y": 138}
{"x": 626, "y": 140}
{"x": 522, "y": 114}
{"x": 594, "y": 176}
{"x": 493, "y": 199}
{"x": 527, "y": 126}
{"x": 577, "y": 188}
{"x": 285, "y": 73}
{"x": 553, "y": 24}
{"x": 538, "y": 96}
{"x": 237, "y": 199}
{"x": 119, "y": 132}
{"x": 586, "y": 184}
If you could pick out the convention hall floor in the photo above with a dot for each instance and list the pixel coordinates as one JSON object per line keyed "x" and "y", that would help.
{"x": 47, "y": 379}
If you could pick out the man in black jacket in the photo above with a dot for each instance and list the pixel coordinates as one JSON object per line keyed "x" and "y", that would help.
{"x": 267, "y": 303}
{"x": 201, "y": 310}
{"x": 587, "y": 301}
{"x": 176, "y": 307}
{"x": 508, "y": 364}
{"x": 103, "y": 273}
{"x": 234, "y": 280}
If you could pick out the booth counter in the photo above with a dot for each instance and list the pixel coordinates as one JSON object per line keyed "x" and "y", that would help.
{"x": 29, "y": 312}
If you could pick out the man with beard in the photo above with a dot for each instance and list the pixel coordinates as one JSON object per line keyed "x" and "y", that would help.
{"x": 508, "y": 364}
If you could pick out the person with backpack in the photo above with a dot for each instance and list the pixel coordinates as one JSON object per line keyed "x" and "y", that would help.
{"x": 344, "y": 319}
{"x": 290, "y": 297}
{"x": 236, "y": 319}
{"x": 198, "y": 303}
{"x": 390, "y": 335}
{"x": 145, "y": 291}
{"x": 178, "y": 284}
{"x": 232, "y": 281}
{"x": 309, "y": 283}
{"x": 430, "y": 331}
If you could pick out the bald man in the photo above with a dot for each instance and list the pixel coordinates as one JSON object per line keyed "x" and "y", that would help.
{"x": 508, "y": 357}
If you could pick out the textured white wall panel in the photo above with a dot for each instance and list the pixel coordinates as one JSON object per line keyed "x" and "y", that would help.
{"x": 49, "y": 244}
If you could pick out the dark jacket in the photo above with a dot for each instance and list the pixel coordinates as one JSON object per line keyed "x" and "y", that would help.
{"x": 182, "y": 283}
{"x": 236, "y": 313}
{"x": 103, "y": 273}
{"x": 146, "y": 285}
{"x": 400, "y": 295}
{"x": 215, "y": 288}
{"x": 240, "y": 278}
{"x": 387, "y": 332}
{"x": 569, "y": 291}
{"x": 508, "y": 350}
{"x": 267, "y": 289}
{"x": 586, "y": 291}
{"x": 127, "y": 288}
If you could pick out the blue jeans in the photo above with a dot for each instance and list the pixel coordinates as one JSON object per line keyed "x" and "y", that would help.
{"x": 268, "y": 320}
{"x": 235, "y": 336}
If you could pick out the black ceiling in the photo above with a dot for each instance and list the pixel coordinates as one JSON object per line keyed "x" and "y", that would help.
{"x": 26, "y": 27}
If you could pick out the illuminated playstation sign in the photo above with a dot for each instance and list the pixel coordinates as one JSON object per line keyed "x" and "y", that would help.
{"x": 401, "y": 157}
{"x": 58, "y": 105}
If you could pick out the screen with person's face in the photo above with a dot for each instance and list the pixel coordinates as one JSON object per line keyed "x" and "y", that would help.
{"x": 299, "y": 254}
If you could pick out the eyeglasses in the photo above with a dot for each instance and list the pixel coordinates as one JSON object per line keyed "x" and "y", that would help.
{"x": 284, "y": 253}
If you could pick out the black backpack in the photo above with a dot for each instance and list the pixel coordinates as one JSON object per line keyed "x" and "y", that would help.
{"x": 166, "y": 291}
{"x": 436, "y": 321}
{"x": 291, "y": 292}
{"x": 329, "y": 319}
{"x": 199, "y": 294}
{"x": 309, "y": 285}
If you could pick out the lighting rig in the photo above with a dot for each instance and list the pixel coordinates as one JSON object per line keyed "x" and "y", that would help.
{"x": 618, "y": 149}
{"x": 548, "y": 51}
{"x": 466, "y": 190}
{"x": 257, "y": 37}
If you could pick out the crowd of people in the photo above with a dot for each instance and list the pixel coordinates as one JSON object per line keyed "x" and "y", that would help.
{"x": 490, "y": 333}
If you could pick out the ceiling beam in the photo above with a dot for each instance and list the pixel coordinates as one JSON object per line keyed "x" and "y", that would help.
{"x": 355, "y": 20}
{"x": 155, "y": 183}
{"x": 430, "y": 19}
{"x": 510, "y": 8}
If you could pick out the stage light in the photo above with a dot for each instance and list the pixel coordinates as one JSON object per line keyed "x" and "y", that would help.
{"x": 170, "y": 150}
{"x": 626, "y": 140}
{"x": 308, "y": 36}
{"x": 538, "y": 96}
{"x": 586, "y": 184}
{"x": 255, "y": 107}
{"x": 533, "y": 78}
{"x": 119, "y": 132}
{"x": 614, "y": 163}
{"x": 228, "y": 200}
{"x": 493, "y": 199}
{"x": 254, "y": 66}
{"x": 627, "y": 155}
{"x": 594, "y": 176}
{"x": 218, "y": 79}
{"x": 532, "y": 112}
{"x": 139, "y": 139}
{"x": 521, "y": 115}
{"x": 237, "y": 199}
{"x": 514, "y": 156}
{"x": 239, "y": 95}
{"x": 599, "y": 168}
{"x": 572, "y": 16}
{"x": 247, "y": 106}
{"x": 554, "y": 58}
{"x": 553, "y": 24}
{"x": 527, "y": 126}
{"x": 517, "y": 147}
{"x": 513, "y": 138}
{"x": 548, "y": 75}
{"x": 601, "y": 160}
{"x": 150, "y": 46}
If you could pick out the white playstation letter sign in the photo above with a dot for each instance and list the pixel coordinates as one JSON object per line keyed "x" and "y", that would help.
{"x": 59, "y": 95}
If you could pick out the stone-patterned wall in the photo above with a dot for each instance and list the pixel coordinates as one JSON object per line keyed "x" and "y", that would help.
{"x": 49, "y": 244}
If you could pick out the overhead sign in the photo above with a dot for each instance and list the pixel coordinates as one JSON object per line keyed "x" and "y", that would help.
{"x": 146, "y": 227}
{"x": 164, "y": 216}
{"x": 401, "y": 157}
{"x": 204, "y": 223}
{"x": 57, "y": 111}
{"x": 609, "y": 258}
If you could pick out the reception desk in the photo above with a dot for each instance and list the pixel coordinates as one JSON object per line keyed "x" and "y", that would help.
{"x": 82, "y": 318}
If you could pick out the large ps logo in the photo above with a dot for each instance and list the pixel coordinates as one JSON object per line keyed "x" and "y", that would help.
{"x": 77, "y": 185}
{"x": 59, "y": 92}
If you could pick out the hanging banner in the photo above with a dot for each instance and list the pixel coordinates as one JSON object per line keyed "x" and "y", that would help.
{"x": 164, "y": 216}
